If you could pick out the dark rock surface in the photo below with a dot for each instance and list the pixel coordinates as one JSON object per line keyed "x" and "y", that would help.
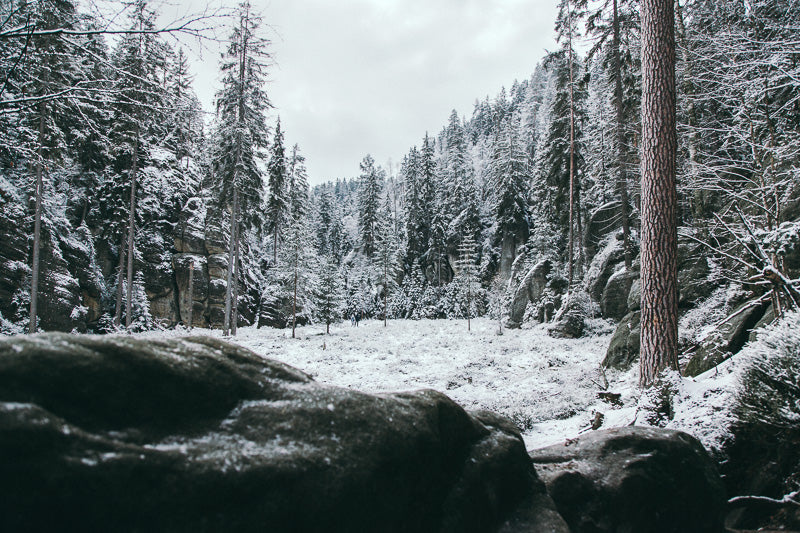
{"x": 602, "y": 221}
{"x": 694, "y": 275}
{"x": 570, "y": 323}
{"x": 727, "y": 340}
{"x": 195, "y": 434}
{"x": 623, "y": 349}
{"x": 614, "y": 301}
{"x": 529, "y": 290}
{"x": 602, "y": 268}
{"x": 633, "y": 479}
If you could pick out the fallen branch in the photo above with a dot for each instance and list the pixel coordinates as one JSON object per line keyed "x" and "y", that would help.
{"x": 788, "y": 499}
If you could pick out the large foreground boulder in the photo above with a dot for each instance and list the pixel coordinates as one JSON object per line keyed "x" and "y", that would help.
{"x": 196, "y": 434}
{"x": 633, "y": 479}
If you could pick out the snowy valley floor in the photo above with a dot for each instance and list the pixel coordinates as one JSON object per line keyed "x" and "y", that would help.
{"x": 549, "y": 387}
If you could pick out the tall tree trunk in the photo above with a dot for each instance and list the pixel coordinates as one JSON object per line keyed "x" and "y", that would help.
{"x": 226, "y": 325}
{"x": 622, "y": 180}
{"x": 385, "y": 286}
{"x": 275, "y": 243}
{"x": 659, "y": 323}
{"x": 131, "y": 233}
{"x": 236, "y": 274}
{"x": 294, "y": 298}
{"x": 37, "y": 224}
{"x": 120, "y": 279}
{"x": 191, "y": 295}
{"x": 571, "y": 149}
{"x": 469, "y": 300}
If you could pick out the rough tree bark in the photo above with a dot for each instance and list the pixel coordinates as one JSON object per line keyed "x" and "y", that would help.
{"x": 659, "y": 325}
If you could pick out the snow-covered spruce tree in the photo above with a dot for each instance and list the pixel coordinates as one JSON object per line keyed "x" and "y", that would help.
{"x": 137, "y": 125}
{"x": 510, "y": 170}
{"x": 614, "y": 27}
{"x": 389, "y": 254}
{"x": 300, "y": 248}
{"x": 551, "y": 176}
{"x": 47, "y": 69}
{"x": 417, "y": 231}
{"x": 458, "y": 177}
{"x": 241, "y": 138}
{"x": 369, "y": 204}
{"x": 467, "y": 275}
{"x": 278, "y": 203}
{"x": 329, "y": 295}
{"x": 330, "y": 233}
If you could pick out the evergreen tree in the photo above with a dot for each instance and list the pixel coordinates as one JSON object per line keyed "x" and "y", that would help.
{"x": 468, "y": 273}
{"x": 241, "y": 139}
{"x": 277, "y": 204}
{"x": 511, "y": 174}
{"x": 551, "y": 180}
{"x": 369, "y": 204}
{"x": 302, "y": 259}
{"x": 329, "y": 294}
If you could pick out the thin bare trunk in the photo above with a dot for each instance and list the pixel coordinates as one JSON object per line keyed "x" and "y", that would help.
{"x": 131, "y": 230}
{"x": 191, "y": 295}
{"x": 37, "y": 225}
{"x": 236, "y": 274}
{"x": 571, "y": 149}
{"x": 294, "y": 299}
{"x": 385, "y": 287}
{"x": 226, "y": 326}
{"x": 120, "y": 279}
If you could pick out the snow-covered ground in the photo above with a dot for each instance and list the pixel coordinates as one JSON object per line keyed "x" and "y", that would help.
{"x": 549, "y": 387}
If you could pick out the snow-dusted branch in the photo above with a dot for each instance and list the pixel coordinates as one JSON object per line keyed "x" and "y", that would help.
{"x": 788, "y": 499}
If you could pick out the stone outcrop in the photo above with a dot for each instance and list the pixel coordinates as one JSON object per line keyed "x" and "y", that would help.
{"x": 727, "y": 340}
{"x": 623, "y": 349}
{"x": 602, "y": 221}
{"x": 633, "y": 479}
{"x": 614, "y": 302}
{"x": 570, "y": 322}
{"x": 530, "y": 290}
{"x": 194, "y": 434}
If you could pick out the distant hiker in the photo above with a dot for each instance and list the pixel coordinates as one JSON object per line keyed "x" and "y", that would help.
{"x": 358, "y": 317}
{"x": 352, "y": 320}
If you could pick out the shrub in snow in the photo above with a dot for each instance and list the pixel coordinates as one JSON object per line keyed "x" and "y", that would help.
{"x": 656, "y": 404}
{"x": 764, "y": 458}
{"x": 769, "y": 389}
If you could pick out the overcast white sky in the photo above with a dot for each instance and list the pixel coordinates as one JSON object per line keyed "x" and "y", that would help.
{"x": 372, "y": 76}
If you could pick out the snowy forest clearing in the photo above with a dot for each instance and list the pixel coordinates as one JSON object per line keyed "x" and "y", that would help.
{"x": 547, "y": 386}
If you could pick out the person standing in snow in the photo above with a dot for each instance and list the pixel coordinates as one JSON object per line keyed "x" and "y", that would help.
{"x": 358, "y": 317}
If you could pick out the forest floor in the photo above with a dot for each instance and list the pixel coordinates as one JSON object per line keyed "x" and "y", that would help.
{"x": 549, "y": 387}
